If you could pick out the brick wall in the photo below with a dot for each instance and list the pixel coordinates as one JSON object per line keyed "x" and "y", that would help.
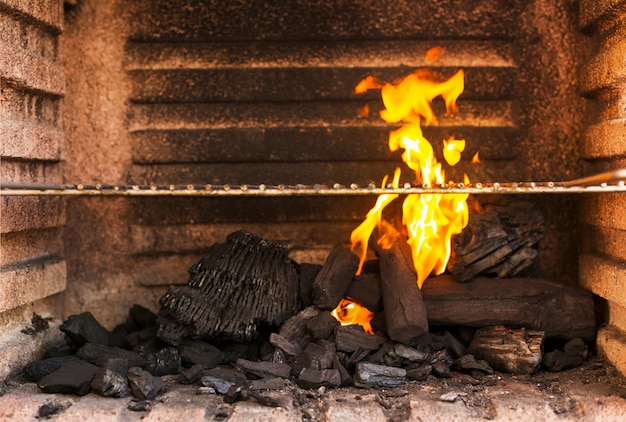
{"x": 603, "y": 82}
{"x": 32, "y": 267}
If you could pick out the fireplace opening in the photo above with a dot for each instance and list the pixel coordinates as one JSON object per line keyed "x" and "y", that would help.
{"x": 188, "y": 93}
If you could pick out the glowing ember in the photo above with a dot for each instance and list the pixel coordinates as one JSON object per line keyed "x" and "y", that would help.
{"x": 351, "y": 313}
{"x": 430, "y": 220}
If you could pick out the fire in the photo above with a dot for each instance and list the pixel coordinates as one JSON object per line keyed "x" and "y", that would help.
{"x": 350, "y": 313}
{"x": 430, "y": 220}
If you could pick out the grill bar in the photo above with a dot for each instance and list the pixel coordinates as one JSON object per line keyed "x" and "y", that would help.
{"x": 601, "y": 183}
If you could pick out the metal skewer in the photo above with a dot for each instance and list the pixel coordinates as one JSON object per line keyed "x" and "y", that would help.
{"x": 614, "y": 181}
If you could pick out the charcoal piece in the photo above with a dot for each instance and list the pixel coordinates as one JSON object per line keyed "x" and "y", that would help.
{"x": 138, "y": 405}
{"x": 140, "y": 318}
{"x": 143, "y": 337}
{"x": 221, "y": 379}
{"x": 322, "y": 326}
{"x": 264, "y": 369}
{"x": 561, "y": 311}
{"x": 320, "y": 357}
{"x": 38, "y": 369}
{"x": 574, "y": 353}
{"x": 73, "y": 377}
{"x": 516, "y": 351}
{"x": 199, "y": 352}
{"x": 365, "y": 289}
{"x": 405, "y": 312}
{"x": 469, "y": 363}
{"x": 47, "y": 410}
{"x": 84, "y": 328}
{"x": 99, "y": 355}
{"x": 346, "y": 378}
{"x": 409, "y": 353}
{"x": 294, "y": 329}
{"x": 234, "y": 350}
{"x": 166, "y": 361}
{"x": 274, "y": 383}
{"x": 285, "y": 345}
{"x": 144, "y": 385}
{"x": 111, "y": 380}
{"x": 308, "y": 272}
{"x": 349, "y": 338}
{"x": 314, "y": 378}
{"x": 236, "y": 286}
{"x": 59, "y": 350}
{"x": 441, "y": 370}
{"x": 368, "y": 375}
{"x": 453, "y": 345}
{"x": 331, "y": 283}
{"x": 499, "y": 240}
{"x": 191, "y": 375}
{"x": 420, "y": 373}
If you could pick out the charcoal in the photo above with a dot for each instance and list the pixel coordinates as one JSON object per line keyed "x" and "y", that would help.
{"x": 294, "y": 329}
{"x": 453, "y": 345}
{"x": 420, "y": 373}
{"x": 365, "y": 288}
{"x": 221, "y": 379}
{"x": 111, "y": 381}
{"x": 368, "y": 375}
{"x": 38, "y": 369}
{"x": 333, "y": 280}
{"x": 84, "y": 328}
{"x": 516, "y": 351}
{"x": 574, "y": 354}
{"x": 73, "y": 377}
{"x": 47, "y": 410}
{"x": 99, "y": 355}
{"x": 285, "y": 345}
{"x": 469, "y": 363}
{"x": 237, "y": 285}
{"x": 143, "y": 384}
{"x": 441, "y": 370}
{"x": 235, "y": 350}
{"x": 409, "y": 353}
{"x": 166, "y": 361}
{"x": 141, "y": 318}
{"x": 59, "y": 350}
{"x": 349, "y": 338}
{"x": 264, "y": 369}
{"x": 191, "y": 375}
{"x": 322, "y": 325}
{"x": 143, "y": 336}
{"x": 137, "y": 405}
{"x": 320, "y": 357}
{"x": 346, "y": 378}
{"x": 314, "y": 378}
{"x": 308, "y": 272}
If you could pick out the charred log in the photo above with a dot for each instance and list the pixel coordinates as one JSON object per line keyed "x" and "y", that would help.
{"x": 236, "y": 286}
{"x": 498, "y": 240}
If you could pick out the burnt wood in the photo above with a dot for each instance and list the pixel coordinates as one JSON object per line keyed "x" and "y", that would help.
{"x": 561, "y": 311}
{"x": 237, "y": 285}
{"x": 499, "y": 240}
{"x": 331, "y": 283}
{"x": 405, "y": 313}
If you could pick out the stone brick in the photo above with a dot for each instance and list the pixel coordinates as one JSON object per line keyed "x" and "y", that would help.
{"x": 611, "y": 343}
{"x": 30, "y": 282}
{"x": 49, "y": 12}
{"x": 27, "y": 213}
{"x": 19, "y": 141}
{"x": 30, "y": 70}
{"x": 603, "y": 277}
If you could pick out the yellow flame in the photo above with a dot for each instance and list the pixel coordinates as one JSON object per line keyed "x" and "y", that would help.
{"x": 350, "y": 313}
{"x": 430, "y": 219}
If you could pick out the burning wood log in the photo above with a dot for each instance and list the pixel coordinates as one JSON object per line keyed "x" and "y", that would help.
{"x": 405, "y": 313}
{"x": 236, "y": 286}
{"x": 559, "y": 310}
{"x": 498, "y": 240}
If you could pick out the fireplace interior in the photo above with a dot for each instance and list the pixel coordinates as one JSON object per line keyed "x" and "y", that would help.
{"x": 245, "y": 93}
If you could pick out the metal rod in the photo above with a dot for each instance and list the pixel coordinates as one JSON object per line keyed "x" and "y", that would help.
{"x": 601, "y": 183}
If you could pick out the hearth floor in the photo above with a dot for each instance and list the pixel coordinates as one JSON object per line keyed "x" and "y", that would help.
{"x": 588, "y": 393}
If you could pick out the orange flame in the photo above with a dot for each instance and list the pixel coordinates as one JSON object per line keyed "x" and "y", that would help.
{"x": 350, "y": 313}
{"x": 475, "y": 159}
{"x": 430, "y": 219}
